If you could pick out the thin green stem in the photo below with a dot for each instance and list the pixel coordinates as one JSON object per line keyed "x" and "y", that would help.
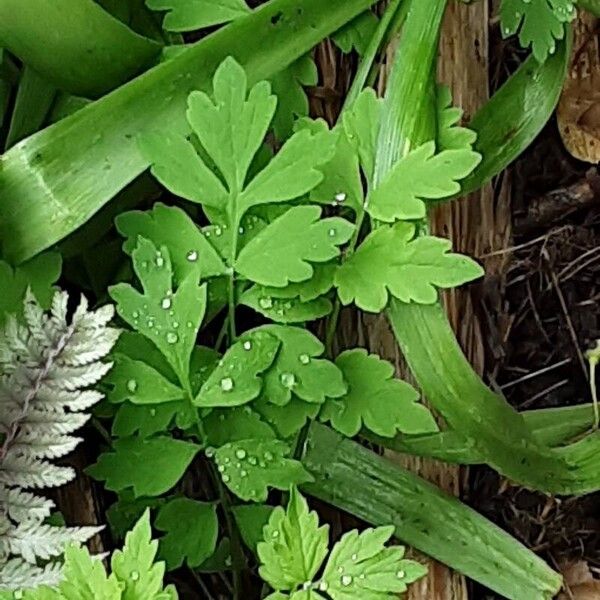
{"x": 594, "y": 392}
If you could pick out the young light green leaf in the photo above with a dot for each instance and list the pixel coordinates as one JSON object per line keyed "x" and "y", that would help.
{"x": 284, "y": 310}
{"x": 151, "y": 466}
{"x": 186, "y": 15}
{"x": 232, "y": 126}
{"x": 294, "y": 545}
{"x": 233, "y": 424}
{"x": 283, "y": 252}
{"x": 176, "y": 164}
{"x": 411, "y": 273}
{"x": 293, "y": 171}
{"x": 39, "y": 274}
{"x": 288, "y": 420}
{"x": 361, "y": 124}
{"x": 250, "y": 467}
{"x": 139, "y": 383}
{"x": 360, "y": 566}
{"x": 375, "y": 399}
{"x": 251, "y": 520}
{"x": 357, "y": 34}
{"x": 450, "y": 135}
{"x": 420, "y": 175}
{"x": 189, "y": 250}
{"x": 191, "y": 532}
{"x": 297, "y": 369}
{"x": 237, "y": 379}
{"x": 135, "y": 568}
{"x": 540, "y": 23}
{"x": 169, "y": 319}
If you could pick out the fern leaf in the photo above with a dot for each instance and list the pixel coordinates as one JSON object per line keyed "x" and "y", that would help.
{"x": 23, "y": 506}
{"x": 17, "y": 574}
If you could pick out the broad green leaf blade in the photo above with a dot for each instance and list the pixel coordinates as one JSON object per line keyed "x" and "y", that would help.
{"x": 251, "y": 520}
{"x": 151, "y": 466}
{"x": 540, "y": 23}
{"x": 250, "y": 467}
{"x": 360, "y": 566}
{"x": 319, "y": 284}
{"x": 191, "y": 532}
{"x": 294, "y": 546}
{"x": 356, "y": 480}
{"x": 135, "y": 568}
{"x": 39, "y": 274}
{"x": 287, "y": 420}
{"x": 234, "y": 424}
{"x": 139, "y": 383}
{"x": 529, "y": 97}
{"x": 375, "y": 399}
{"x": 237, "y": 379}
{"x": 94, "y": 53}
{"x": 144, "y": 420}
{"x": 189, "y": 250}
{"x": 186, "y": 15}
{"x": 99, "y": 143}
{"x": 232, "y": 123}
{"x": 420, "y": 175}
{"x": 298, "y": 370}
{"x": 412, "y": 273}
{"x": 285, "y": 310}
{"x": 170, "y": 319}
{"x": 176, "y": 164}
{"x": 283, "y": 252}
{"x": 293, "y": 171}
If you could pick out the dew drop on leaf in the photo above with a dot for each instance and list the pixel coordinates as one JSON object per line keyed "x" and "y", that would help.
{"x": 265, "y": 302}
{"x": 323, "y": 586}
{"x": 172, "y": 337}
{"x": 354, "y": 557}
{"x": 276, "y": 534}
{"x": 227, "y": 384}
{"x": 226, "y": 478}
{"x": 18, "y": 595}
{"x": 247, "y": 345}
{"x": 166, "y": 303}
{"x": 221, "y": 469}
{"x": 132, "y": 385}
{"x": 332, "y": 232}
{"x": 252, "y": 460}
{"x": 340, "y": 197}
{"x": 152, "y": 412}
{"x": 288, "y": 380}
{"x": 243, "y": 473}
{"x": 192, "y": 256}
{"x": 160, "y": 261}
{"x": 268, "y": 456}
{"x": 304, "y": 359}
{"x": 400, "y": 574}
{"x": 346, "y": 580}
{"x": 218, "y": 231}
{"x": 134, "y": 575}
{"x": 210, "y": 452}
{"x": 240, "y": 453}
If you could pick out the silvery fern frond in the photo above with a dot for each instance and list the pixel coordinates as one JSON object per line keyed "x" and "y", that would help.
{"x": 46, "y": 363}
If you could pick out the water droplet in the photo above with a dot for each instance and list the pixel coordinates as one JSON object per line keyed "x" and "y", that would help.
{"x": 210, "y": 452}
{"x": 172, "y": 337}
{"x": 243, "y": 473}
{"x": 288, "y": 380}
{"x": 166, "y": 303}
{"x": 134, "y": 575}
{"x": 332, "y": 232}
{"x": 151, "y": 323}
{"x": 192, "y": 256}
{"x": 306, "y": 585}
{"x": 341, "y": 569}
{"x": 268, "y": 456}
{"x": 189, "y": 324}
{"x": 400, "y": 574}
{"x": 323, "y": 586}
{"x": 247, "y": 345}
{"x": 175, "y": 324}
{"x": 265, "y": 302}
{"x": 160, "y": 261}
{"x": 136, "y": 314}
{"x": 252, "y": 460}
{"x": 226, "y": 478}
{"x": 18, "y": 595}
{"x": 152, "y": 412}
{"x": 132, "y": 385}
{"x": 346, "y": 580}
{"x": 354, "y": 557}
{"x": 241, "y": 453}
{"x": 226, "y": 384}
{"x": 276, "y": 533}
{"x": 221, "y": 469}
{"x": 241, "y": 230}
{"x": 304, "y": 359}
{"x": 218, "y": 231}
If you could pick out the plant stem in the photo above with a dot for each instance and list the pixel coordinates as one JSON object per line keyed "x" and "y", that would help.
{"x": 594, "y": 392}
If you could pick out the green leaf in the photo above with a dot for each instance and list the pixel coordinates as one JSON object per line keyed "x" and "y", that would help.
{"x": 169, "y": 319}
{"x": 450, "y": 135}
{"x": 39, "y": 274}
{"x": 420, "y": 175}
{"x": 191, "y": 530}
{"x": 251, "y": 520}
{"x": 124, "y": 514}
{"x": 294, "y": 545}
{"x": 390, "y": 260}
{"x": 282, "y": 310}
{"x": 139, "y": 383}
{"x": 297, "y": 368}
{"x": 361, "y": 123}
{"x": 233, "y": 424}
{"x": 85, "y": 577}
{"x": 282, "y": 252}
{"x": 357, "y": 34}
{"x": 250, "y": 467}
{"x": 145, "y": 420}
{"x": 189, "y": 250}
{"x": 289, "y": 419}
{"x": 360, "y": 566}
{"x": 134, "y": 566}
{"x": 151, "y": 466}
{"x": 232, "y": 125}
{"x": 293, "y": 171}
{"x": 176, "y": 164}
{"x": 319, "y": 284}
{"x": 186, "y": 15}
{"x": 237, "y": 379}
{"x": 376, "y": 400}
{"x": 540, "y": 23}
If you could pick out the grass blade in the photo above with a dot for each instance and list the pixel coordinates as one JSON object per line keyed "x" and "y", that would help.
{"x": 358, "y": 481}
{"x": 42, "y": 200}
